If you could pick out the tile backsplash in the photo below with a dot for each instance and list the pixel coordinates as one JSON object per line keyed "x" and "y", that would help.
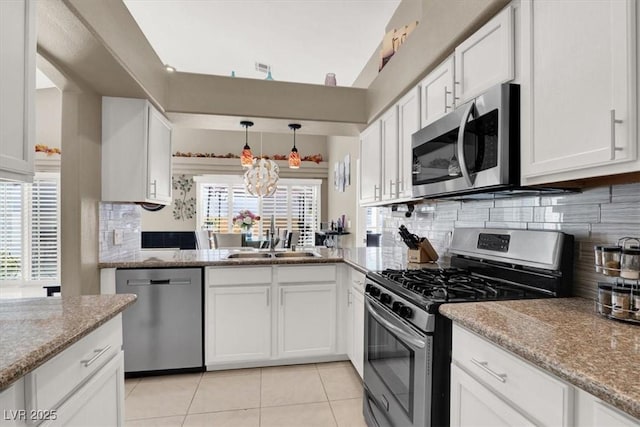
{"x": 124, "y": 218}
{"x": 598, "y": 215}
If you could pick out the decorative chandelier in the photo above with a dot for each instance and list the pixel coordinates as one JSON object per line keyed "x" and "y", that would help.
{"x": 294, "y": 156}
{"x": 262, "y": 179}
{"x": 246, "y": 158}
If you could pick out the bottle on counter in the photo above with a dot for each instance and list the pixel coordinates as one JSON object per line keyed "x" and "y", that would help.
{"x": 604, "y": 298}
{"x": 630, "y": 263}
{"x": 611, "y": 260}
{"x": 620, "y": 302}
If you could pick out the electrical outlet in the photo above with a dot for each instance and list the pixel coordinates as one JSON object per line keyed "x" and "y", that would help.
{"x": 118, "y": 237}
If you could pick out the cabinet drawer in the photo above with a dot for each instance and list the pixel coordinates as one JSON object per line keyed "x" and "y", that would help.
{"x": 238, "y": 276}
{"x": 357, "y": 279}
{"x": 307, "y": 274}
{"x": 48, "y": 385}
{"x": 541, "y": 396}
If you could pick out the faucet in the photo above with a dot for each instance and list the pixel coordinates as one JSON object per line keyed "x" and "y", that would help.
{"x": 272, "y": 234}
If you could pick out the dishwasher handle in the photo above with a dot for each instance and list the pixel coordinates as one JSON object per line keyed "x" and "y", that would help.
{"x": 149, "y": 282}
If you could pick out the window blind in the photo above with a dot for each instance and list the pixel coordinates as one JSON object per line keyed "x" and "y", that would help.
{"x": 44, "y": 221}
{"x": 29, "y": 231}
{"x": 294, "y": 207}
{"x": 11, "y": 226}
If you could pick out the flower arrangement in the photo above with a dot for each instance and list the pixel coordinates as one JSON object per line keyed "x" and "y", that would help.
{"x": 245, "y": 219}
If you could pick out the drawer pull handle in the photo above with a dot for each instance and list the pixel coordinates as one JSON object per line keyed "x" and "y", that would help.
{"x": 89, "y": 362}
{"x": 483, "y": 365}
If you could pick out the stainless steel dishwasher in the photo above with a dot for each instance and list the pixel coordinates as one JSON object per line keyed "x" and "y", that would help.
{"x": 163, "y": 329}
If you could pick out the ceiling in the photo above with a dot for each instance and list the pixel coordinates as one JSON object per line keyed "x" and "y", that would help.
{"x": 301, "y": 40}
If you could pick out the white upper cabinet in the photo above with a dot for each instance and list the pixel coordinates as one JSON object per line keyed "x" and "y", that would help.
{"x": 408, "y": 123}
{"x": 370, "y": 165}
{"x": 136, "y": 152}
{"x": 437, "y": 92}
{"x": 578, "y": 89}
{"x": 17, "y": 89}
{"x": 390, "y": 153}
{"x": 486, "y": 58}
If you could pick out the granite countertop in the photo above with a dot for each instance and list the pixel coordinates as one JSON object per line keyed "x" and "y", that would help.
{"x": 363, "y": 259}
{"x": 565, "y": 337}
{"x": 34, "y": 330}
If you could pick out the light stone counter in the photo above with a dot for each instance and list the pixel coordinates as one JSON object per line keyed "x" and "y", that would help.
{"x": 34, "y": 330}
{"x": 565, "y": 337}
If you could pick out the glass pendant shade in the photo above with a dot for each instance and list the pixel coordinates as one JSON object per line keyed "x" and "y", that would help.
{"x": 246, "y": 158}
{"x": 261, "y": 180}
{"x": 294, "y": 156}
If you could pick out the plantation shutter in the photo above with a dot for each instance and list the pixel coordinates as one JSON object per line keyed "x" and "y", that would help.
{"x": 215, "y": 206}
{"x": 243, "y": 201}
{"x": 11, "y": 225}
{"x": 304, "y": 212}
{"x": 44, "y": 229}
{"x": 295, "y": 206}
{"x": 276, "y": 206}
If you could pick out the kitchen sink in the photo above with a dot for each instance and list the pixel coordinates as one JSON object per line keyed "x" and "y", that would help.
{"x": 296, "y": 254}
{"x": 249, "y": 255}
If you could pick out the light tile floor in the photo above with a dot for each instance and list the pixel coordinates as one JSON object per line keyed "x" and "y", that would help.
{"x": 323, "y": 394}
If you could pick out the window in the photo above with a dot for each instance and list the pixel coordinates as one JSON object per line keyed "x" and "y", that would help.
{"x": 29, "y": 231}
{"x": 295, "y": 206}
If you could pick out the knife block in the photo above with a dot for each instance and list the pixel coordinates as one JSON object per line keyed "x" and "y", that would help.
{"x": 425, "y": 253}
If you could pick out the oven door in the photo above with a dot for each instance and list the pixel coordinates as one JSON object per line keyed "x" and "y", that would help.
{"x": 397, "y": 370}
{"x": 471, "y": 148}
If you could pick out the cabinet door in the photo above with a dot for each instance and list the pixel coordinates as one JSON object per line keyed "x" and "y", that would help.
{"x": 238, "y": 324}
{"x": 409, "y": 123}
{"x": 573, "y": 119}
{"x": 487, "y": 57}
{"x": 437, "y": 93}
{"x": 99, "y": 402}
{"x": 472, "y": 404}
{"x": 370, "y": 163}
{"x": 390, "y": 153}
{"x": 357, "y": 310}
{"x": 159, "y": 157}
{"x": 17, "y": 89}
{"x": 306, "y": 320}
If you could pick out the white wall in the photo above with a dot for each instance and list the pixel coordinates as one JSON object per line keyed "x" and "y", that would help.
{"x": 346, "y": 202}
{"x": 49, "y": 117}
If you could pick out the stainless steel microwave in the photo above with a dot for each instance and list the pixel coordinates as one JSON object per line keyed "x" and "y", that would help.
{"x": 473, "y": 149}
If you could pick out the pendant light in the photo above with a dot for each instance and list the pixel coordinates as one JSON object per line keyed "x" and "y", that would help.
{"x": 246, "y": 158}
{"x": 294, "y": 156}
{"x": 261, "y": 178}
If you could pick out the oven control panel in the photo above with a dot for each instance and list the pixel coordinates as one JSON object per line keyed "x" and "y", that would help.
{"x": 494, "y": 242}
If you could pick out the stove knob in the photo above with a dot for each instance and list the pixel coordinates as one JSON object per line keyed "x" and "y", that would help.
{"x": 405, "y": 312}
{"x": 375, "y": 292}
{"x": 397, "y": 306}
{"x": 368, "y": 288}
{"x": 385, "y": 298}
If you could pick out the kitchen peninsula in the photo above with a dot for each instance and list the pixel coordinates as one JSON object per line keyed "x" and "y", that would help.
{"x": 61, "y": 359}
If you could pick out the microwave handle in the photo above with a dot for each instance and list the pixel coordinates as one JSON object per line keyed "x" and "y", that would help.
{"x": 463, "y": 162}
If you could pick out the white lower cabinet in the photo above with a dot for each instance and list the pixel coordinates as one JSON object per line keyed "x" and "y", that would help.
{"x": 355, "y": 320}
{"x": 492, "y": 387}
{"x": 81, "y": 386}
{"x": 98, "y": 402}
{"x": 472, "y": 404}
{"x": 270, "y": 314}
{"x": 306, "y": 320}
{"x": 239, "y": 323}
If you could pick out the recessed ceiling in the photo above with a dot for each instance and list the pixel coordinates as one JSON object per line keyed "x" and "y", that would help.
{"x": 302, "y": 40}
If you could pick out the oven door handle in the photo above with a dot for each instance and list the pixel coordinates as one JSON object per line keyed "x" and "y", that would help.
{"x": 461, "y": 159}
{"x": 404, "y": 333}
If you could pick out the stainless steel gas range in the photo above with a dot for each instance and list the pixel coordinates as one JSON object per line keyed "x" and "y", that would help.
{"x": 408, "y": 344}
